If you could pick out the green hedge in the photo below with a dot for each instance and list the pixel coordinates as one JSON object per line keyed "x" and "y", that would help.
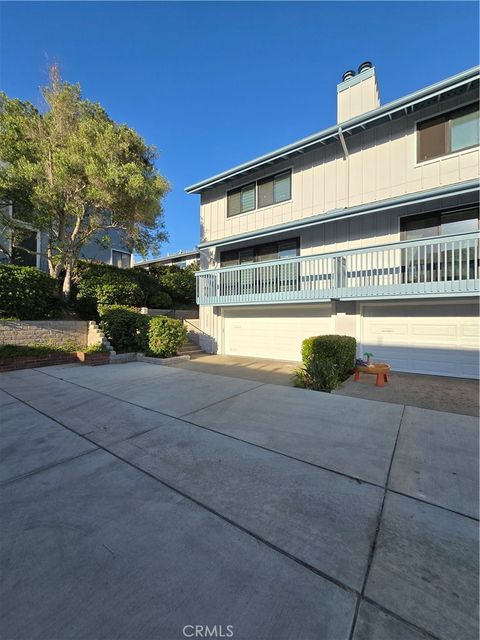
{"x": 327, "y": 361}
{"x": 166, "y": 336}
{"x": 178, "y": 283}
{"x": 125, "y": 328}
{"x": 340, "y": 349}
{"x": 102, "y": 284}
{"x": 27, "y": 293}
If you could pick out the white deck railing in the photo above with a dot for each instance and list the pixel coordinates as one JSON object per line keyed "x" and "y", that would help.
{"x": 434, "y": 266}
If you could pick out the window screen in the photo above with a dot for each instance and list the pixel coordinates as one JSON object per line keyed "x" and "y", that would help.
{"x": 241, "y": 200}
{"x": 282, "y": 187}
{"x": 464, "y": 130}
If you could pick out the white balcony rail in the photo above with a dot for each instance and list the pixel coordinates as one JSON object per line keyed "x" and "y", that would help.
{"x": 433, "y": 266}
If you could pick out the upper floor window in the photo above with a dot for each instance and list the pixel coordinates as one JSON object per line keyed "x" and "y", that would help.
{"x": 120, "y": 259}
{"x": 274, "y": 189}
{"x": 241, "y": 200}
{"x": 447, "y": 133}
{"x": 265, "y": 192}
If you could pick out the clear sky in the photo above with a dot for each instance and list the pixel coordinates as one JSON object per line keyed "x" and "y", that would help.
{"x": 214, "y": 84}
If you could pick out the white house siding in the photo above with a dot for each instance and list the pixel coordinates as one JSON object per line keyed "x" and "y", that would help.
{"x": 381, "y": 165}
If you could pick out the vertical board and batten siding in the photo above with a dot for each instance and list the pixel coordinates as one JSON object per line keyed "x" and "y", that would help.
{"x": 381, "y": 165}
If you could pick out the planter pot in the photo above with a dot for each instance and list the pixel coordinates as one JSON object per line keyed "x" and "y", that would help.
{"x": 93, "y": 358}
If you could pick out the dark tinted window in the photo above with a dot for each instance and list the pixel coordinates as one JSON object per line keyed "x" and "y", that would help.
{"x": 447, "y": 133}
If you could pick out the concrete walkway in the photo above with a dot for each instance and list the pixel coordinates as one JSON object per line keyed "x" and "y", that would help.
{"x": 138, "y": 499}
{"x": 455, "y": 395}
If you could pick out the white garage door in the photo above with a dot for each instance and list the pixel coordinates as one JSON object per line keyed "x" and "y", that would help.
{"x": 275, "y": 331}
{"x": 438, "y": 339}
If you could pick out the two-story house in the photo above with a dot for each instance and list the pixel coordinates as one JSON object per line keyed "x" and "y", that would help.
{"x": 369, "y": 228}
{"x": 31, "y": 251}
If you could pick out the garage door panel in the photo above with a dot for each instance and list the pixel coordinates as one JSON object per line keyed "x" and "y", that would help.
{"x": 412, "y": 338}
{"x": 274, "y": 332}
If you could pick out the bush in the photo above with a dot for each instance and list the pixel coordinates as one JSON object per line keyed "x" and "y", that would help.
{"x": 327, "y": 362}
{"x": 102, "y": 284}
{"x": 178, "y": 283}
{"x": 22, "y": 351}
{"x": 166, "y": 336}
{"x": 320, "y": 375}
{"x": 125, "y": 328}
{"x": 340, "y": 349}
{"x": 160, "y": 300}
{"x": 27, "y": 293}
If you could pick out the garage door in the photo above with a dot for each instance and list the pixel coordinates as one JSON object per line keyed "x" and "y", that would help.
{"x": 438, "y": 339}
{"x": 274, "y": 331}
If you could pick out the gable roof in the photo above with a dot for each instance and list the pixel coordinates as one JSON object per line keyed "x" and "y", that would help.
{"x": 442, "y": 90}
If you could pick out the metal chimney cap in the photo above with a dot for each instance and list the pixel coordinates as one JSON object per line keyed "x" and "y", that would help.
{"x": 348, "y": 74}
{"x": 364, "y": 66}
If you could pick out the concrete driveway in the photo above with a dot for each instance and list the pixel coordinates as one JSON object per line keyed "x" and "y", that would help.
{"x": 139, "y": 501}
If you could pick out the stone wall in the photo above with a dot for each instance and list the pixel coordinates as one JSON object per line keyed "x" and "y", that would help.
{"x": 59, "y": 332}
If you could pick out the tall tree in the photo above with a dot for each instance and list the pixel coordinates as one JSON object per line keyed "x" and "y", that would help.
{"x": 74, "y": 173}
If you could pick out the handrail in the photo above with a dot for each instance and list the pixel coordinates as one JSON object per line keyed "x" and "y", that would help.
{"x": 196, "y": 328}
{"x": 336, "y": 254}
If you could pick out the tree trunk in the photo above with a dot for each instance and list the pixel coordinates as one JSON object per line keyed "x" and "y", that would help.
{"x": 67, "y": 281}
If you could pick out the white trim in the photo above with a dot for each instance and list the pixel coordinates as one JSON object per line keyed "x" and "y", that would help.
{"x": 128, "y": 253}
{"x": 255, "y": 181}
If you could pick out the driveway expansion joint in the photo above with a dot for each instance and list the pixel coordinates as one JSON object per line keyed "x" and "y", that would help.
{"x": 377, "y": 529}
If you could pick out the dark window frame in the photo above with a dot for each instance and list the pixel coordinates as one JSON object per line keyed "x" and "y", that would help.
{"x": 256, "y": 183}
{"x": 123, "y": 253}
{"x": 446, "y": 118}
{"x": 256, "y": 248}
{"x": 239, "y": 190}
{"x": 438, "y": 213}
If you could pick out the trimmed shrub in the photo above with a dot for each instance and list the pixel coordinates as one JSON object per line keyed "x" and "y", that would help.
{"x": 125, "y": 328}
{"x": 27, "y": 293}
{"x": 340, "y": 349}
{"x": 166, "y": 336}
{"x": 327, "y": 362}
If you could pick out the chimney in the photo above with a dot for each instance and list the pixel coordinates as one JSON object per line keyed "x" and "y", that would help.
{"x": 357, "y": 93}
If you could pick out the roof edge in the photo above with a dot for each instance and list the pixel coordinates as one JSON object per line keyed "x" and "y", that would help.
{"x": 458, "y": 79}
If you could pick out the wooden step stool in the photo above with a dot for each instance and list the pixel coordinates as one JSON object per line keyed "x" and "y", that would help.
{"x": 380, "y": 369}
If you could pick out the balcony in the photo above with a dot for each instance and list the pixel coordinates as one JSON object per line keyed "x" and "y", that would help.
{"x": 440, "y": 266}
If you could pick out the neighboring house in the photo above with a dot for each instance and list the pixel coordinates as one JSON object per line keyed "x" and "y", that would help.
{"x": 368, "y": 228}
{"x": 116, "y": 253}
{"x": 180, "y": 259}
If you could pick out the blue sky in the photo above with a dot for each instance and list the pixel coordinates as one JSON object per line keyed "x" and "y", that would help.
{"x": 214, "y": 84}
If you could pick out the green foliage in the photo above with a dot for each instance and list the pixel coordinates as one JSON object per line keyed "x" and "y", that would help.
{"x": 27, "y": 293}
{"x": 166, "y": 336}
{"x": 340, "y": 349}
{"x": 179, "y": 283}
{"x": 96, "y": 348}
{"x": 19, "y": 351}
{"x": 75, "y": 173}
{"x": 125, "y": 328}
{"x": 320, "y": 375}
{"x": 327, "y": 361}
{"x": 102, "y": 284}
